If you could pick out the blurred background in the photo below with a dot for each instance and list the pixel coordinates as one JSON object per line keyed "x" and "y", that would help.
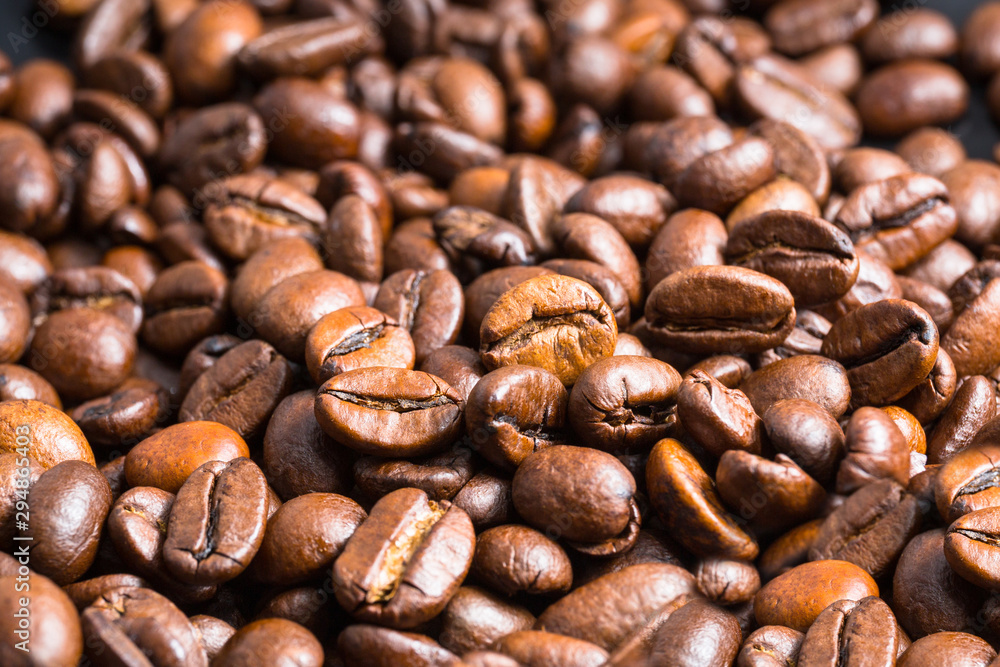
{"x": 976, "y": 129}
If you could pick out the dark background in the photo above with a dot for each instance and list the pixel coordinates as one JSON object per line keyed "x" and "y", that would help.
{"x": 976, "y": 130}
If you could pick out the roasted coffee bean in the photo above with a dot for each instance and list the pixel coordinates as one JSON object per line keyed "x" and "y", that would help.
{"x": 287, "y": 311}
{"x": 870, "y": 529}
{"x": 684, "y": 497}
{"x": 476, "y": 240}
{"x": 514, "y": 411}
{"x": 796, "y": 598}
{"x": 353, "y": 338}
{"x": 811, "y": 377}
{"x": 720, "y": 309}
{"x": 600, "y": 278}
{"x": 298, "y": 457}
{"x": 586, "y": 236}
{"x": 459, "y": 366}
{"x": 273, "y": 641}
{"x": 716, "y": 417}
{"x": 55, "y": 637}
{"x": 934, "y": 301}
{"x": 900, "y": 219}
{"x": 859, "y": 166}
{"x": 969, "y": 340}
{"x": 24, "y": 262}
{"x": 428, "y": 304}
{"x": 552, "y": 502}
{"x": 780, "y": 194}
{"x": 689, "y": 238}
{"x": 382, "y": 647}
{"x": 304, "y": 537}
{"x": 83, "y": 352}
{"x": 770, "y": 646}
{"x": 441, "y": 476}
{"x": 217, "y": 522}
{"x": 15, "y": 328}
{"x": 969, "y": 545}
{"x": 167, "y": 458}
{"x": 69, "y": 503}
{"x": 241, "y": 389}
{"x": 554, "y": 322}
{"x": 390, "y": 411}
{"x": 127, "y": 415}
{"x": 946, "y": 647}
{"x": 923, "y": 33}
{"x": 807, "y": 434}
{"x": 876, "y": 449}
{"x": 927, "y": 595}
{"x": 849, "y": 631}
{"x": 799, "y": 27}
{"x": 934, "y": 393}
{"x": 185, "y": 304}
{"x": 203, "y": 356}
{"x": 476, "y": 618}
{"x": 887, "y": 97}
{"x": 727, "y": 369}
{"x": 94, "y": 287}
{"x": 352, "y": 239}
{"x": 887, "y": 347}
{"x": 53, "y": 436}
{"x": 814, "y": 259}
{"x": 710, "y": 49}
{"x": 20, "y": 383}
{"x": 513, "y": 559}
{"x": 973, "y": 405}
{"x": 727, "y": 582}
{"x": 137, "y": 525}
{"x": 774, "y": 88}
{"x": 486, "y": 498}
{"x": 624, "y": 403}
{"x": 306, "y": 48}
{"x": 969, "y": 481}
{"x": 30, "y": 192}
{"x": 718, "y": 180}
{"x": 403, "y": 564}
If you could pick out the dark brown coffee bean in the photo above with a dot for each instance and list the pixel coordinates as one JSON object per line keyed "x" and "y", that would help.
{"x": 20, "y": 383}
{"x": 429, "y": 305}
{"x": 83, "y": 352}
{"x": 716, "y": 417}
{"x": 876, "y": 449}
{"x": 487, "y": 499}
{"x": 684, "y": 497}
{"x": 435, "y": 541}
{"x": 694, "y": 310}
{"x": 887, "y": 98}
{"x": 689, "y": 238}
{"x": 944, "y": 647}
{"x": 974, "y": 405}
{"x": 887, "y": 347}
{"x": 513, "y": 559}
{"x": 870, "y": 529}
{"x": 584, "y": 612}
{"x": 771, "y": 496}
{"x": 538, "y": 190}
{"x": 241, "y": 389}
{"x": 624, "y": 403}
{"x": 440, "y": 477}
{"x": 352, "y": 240}
{"x": 307, "y": 48}
{"x": 921, "y": 33}
{"x": 268, "y": 267}
{"x": 217, "y": 522}
{"x": 55, "y": 637}
{"x": 770, "y": 646}
{"x": 298, "y": 457}
{"x": 201, "y": 52}
{"x": 934, "y": 301}
{"x": 585, "y": 236}
{"x": 900, "y": 219}
{"x": 710, "y": 49}
{"x": 772, "y": 87}
{"x": 138, "y": 76}
{"x": 30, "y": 192}
{"x": 705, "y": 630}
{"x": 352, "y": 338}
{"x": 798, "y": 27}
{"x": 287, "y": 311}
{"x": 94, "y": 287}
{"x": 304, "y": 537}
{"x": 67, "y": 506}
{"x": 273, "y": 641}
{"x": 814, "y": 259}
{"x": 476, "y": 618}
{"x": 850, "y": 631}
{"x": 23, "y": 262}
{"x": 514, "y": 411}
{"x": 203, "y": 356}
{"x": 457, "y": 365}
{"x": 390, "y": 411}
{"x": 185, "y": 304}
{"x": 476, "y": 240}
{"x": 523, "y": 324}
{"x": 43, "y": 96}
{"x": 125, "y": 416}
{"x": 927, "y": 595}
{"x": 807, "y": 434}
{"x": 109, "y": 27}
{"x": 545, "y": 493}
{"x": 137, "y": 527}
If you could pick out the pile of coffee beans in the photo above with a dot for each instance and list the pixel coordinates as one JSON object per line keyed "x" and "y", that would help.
{"x": 499, "y": 333}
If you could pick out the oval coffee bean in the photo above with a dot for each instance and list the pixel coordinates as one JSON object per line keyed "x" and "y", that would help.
{"x": 554, "y": 322}
{"x": 166, "y": 459}
{"x": 390, "y": 411}
{"x": 513, "y": 559}
{"x": 720, "y": 309}
{"x": 969, "y": 481}
{"x": 358, "y": 337}
{"x": 217, "y": 522}
{"x": 406, "y": 561}
{"x": 796, "y": 598}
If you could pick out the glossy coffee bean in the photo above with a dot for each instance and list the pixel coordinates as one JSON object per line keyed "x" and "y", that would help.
{"x": 428, "y": 304}
{"x": 184, "y": 305}
{"x": 799, "y": 27}
{"x": 512, "y": 559}
{"x": 887, "y": 90}
{"x": 273, "y": 641}
{"x": 372, "y": 583}
{"x": 49, "y": 433}
{"x": 735, "y": 310}
{"x": 967, "y": 482}
{"x": 167, "y": 458}
{"x": 127, "y": 415}
{"x": 684, "y": 497}
{"x": 353, "y": 338}
{"x": 796, "y": 598}
{"x": 554, "y": 504}
{"x": 417, "y": 413}
{"x": 716, "y": 417}
{"x": 807, "y": 434}
{"x": 525, "y": 322}
{"x": 217, "y": 522}
{"x": 241, "y": 389}
{"x": 475, "y": 618}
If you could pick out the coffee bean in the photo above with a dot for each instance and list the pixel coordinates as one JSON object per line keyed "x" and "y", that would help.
{"x": 185, "y": 304}
{"x": 167, "y": 458}
{"x": 849, "y": 629}
{"x": 353, "y": 338}
{"x": 127, "y": 415}
{"x": 799, "y": 27}
{"x": 440, "y": 477}
{"x": 684, "y": 497}
{"x": 967, "y": 482}
{"x": 770, "y": 645}
{"x": 513, "y": 559}
{"x": 973, "y": 405}
{"x": 306, "y": 48}
{"x": 403, "y": 581}
{"x": 689, "y": 238}
{"x": 716, "y": 417}
{"x": 57, "y": 637}
{"x": 716, "y": 309}
{"x": 217, "y": 522}
{"x": 894, "y": 87}
{"x": 475, "y": 618}
{"x": 796, "y": 598}
{"x": 54, "y": 437}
